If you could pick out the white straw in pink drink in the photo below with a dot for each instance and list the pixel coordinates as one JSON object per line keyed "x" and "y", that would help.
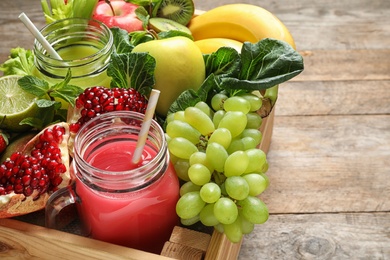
{"x": 149, "y": 113}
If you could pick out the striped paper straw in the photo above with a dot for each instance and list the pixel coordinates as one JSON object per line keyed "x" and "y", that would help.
{"x": 143, "y": 134}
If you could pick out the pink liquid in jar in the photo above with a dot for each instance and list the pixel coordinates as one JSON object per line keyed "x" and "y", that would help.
{"x": 141, "y": 219}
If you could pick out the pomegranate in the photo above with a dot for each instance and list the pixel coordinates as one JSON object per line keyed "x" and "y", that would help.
{"x": 29, "y": 176}
{"x": 99, "y": 100}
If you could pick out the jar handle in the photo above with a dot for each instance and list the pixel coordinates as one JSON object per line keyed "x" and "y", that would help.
{"x": 58, "y": 201}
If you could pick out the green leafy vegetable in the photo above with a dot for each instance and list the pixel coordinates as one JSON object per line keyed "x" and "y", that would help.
{"x": 20, "y": 62}
{"x": 261, "y": 66}
{"x": 60, "y": 9}
{"x": 132, "y": 70}
{"x": 49, "y": 108}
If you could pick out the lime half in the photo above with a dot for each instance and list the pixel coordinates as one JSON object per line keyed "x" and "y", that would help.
{"x": 15, "y": 104}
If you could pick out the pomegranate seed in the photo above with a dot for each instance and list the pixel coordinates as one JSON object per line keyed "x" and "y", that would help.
{"x": 23, "y": 174}
{"x": 98, "y": 100}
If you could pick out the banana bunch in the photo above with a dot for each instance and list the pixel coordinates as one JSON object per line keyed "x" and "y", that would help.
{"x": 232, "y": 24}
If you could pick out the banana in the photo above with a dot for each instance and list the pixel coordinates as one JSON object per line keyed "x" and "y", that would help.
{"x": 210, "y": 45}
{"x": 241, "y": 22}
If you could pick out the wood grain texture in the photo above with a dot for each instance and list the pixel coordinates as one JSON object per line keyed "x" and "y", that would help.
{"x": 329, "y": 164}
{"x": 19, "y": 240}
{"x": 320, "y": 237}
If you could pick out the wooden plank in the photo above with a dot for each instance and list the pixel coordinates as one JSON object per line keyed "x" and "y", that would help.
{"x": 20, "y": 240}
{"x": 329, "y": 164}
{"x": 370, "y": 97}
{"x": 343, "y": 65}
{"x": 320, "y": 236}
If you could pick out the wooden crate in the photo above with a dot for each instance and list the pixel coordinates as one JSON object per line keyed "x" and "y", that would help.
{"x": 186, "y": 244}
{"x": 20, "y": 239}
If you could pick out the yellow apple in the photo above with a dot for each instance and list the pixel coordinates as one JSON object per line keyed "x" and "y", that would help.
{"x": 179, "y": 66}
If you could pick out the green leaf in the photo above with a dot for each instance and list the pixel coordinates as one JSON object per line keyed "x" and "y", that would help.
{"x": 121, "y": 40}
{"x": 34, "y": 85}
{"x": 44, "y": 116}
{"x": 190, "y": 97}
{"x": 68, "y": 93}
{"x": 132, "y": 70}
{"x": 225, "y": 62}
{"x": 143, "y": 15}
{"x": 138, "y": 37}
{"x": 265, "y": 64}
{"x": 44, "y": 103}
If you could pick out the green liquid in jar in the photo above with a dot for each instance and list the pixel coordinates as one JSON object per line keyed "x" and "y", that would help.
{"x": 77, "y": 52}
{"x": 84, "y": 76}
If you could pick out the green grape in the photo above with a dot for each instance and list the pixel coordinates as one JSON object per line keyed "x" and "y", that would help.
{"x": 233, "y": 231}
{"x": 254, "y": 133}
{"x": 219, "y": 228}
{"x": 236, "y": 164}
{"x": 265, "y": 167}
{"x": 199, "y": 174}
{"x": 173, "y": 158}
{"x": 207, "y": 217}
{"x": 210, "y": 192}
{"x": 205, "y": 108}
{"x": 190, "y": 221}
{"x": 249, "y": 143}
{"x": 254, "y": 101}
{"x": 235, "y": 145}
{"x": 254, "y": 121}
{"x": 217, "y": 156}
{"x": 179, "y": 115}
{"x": 177, "y": 128}
{"x": 257, "y": 159}
{"x": 218, "y": 117}
{"x": 189, "y": 205}
{"x": 237, "y": 103}
{"x": 202, "y": 122}
{"x": 181, "y": 168}
{"x": 246, "y": 226}
{"x": 170, "y": 118}
{"x": 181, "y": 147}
{"x": 221, "y": 136}
{"x": 217, "y": 101}
{"x": 167, "y": 138}
{"x": 237, "y": 187}
{"x": 234, "y": 121}
{"x": 225, "y": 210}
{"x": 256, "y": 182}
{"x": 266, "y": 179}
{"x": 253, "y": 209}
{"x": 200, "y": 157}
{"x": 188, "y": 187}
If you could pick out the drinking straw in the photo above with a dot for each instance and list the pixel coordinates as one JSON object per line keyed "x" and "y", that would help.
{"x": 146, "y": 125}
{"x": 31, "y": 27}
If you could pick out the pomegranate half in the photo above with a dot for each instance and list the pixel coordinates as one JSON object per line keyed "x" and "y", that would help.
{"x": 28, "y": 177}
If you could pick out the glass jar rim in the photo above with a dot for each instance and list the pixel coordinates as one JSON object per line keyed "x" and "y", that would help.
{"x": 134, "y": 173}
{"x": 81, "y": 21}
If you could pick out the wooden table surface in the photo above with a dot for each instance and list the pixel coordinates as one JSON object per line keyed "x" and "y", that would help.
{"x": 330, "y": 153}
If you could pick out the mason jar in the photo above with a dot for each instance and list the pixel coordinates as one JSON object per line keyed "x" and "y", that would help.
{"x": 117, "y": 201}
{"x": 85, "y": 47}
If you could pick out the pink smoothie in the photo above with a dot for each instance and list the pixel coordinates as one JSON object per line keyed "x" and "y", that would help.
{"x": 141, "y": 219}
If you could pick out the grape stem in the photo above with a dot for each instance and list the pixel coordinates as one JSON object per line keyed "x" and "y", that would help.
{"x": 219, "y": 178}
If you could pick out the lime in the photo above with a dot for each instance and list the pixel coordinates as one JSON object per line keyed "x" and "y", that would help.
{"x": 15, "y": 104}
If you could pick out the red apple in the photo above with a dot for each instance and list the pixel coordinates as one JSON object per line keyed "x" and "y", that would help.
{"x": 124, "y": 17}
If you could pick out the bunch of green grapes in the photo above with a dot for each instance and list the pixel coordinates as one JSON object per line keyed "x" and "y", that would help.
{"x": 214, "y": 152}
